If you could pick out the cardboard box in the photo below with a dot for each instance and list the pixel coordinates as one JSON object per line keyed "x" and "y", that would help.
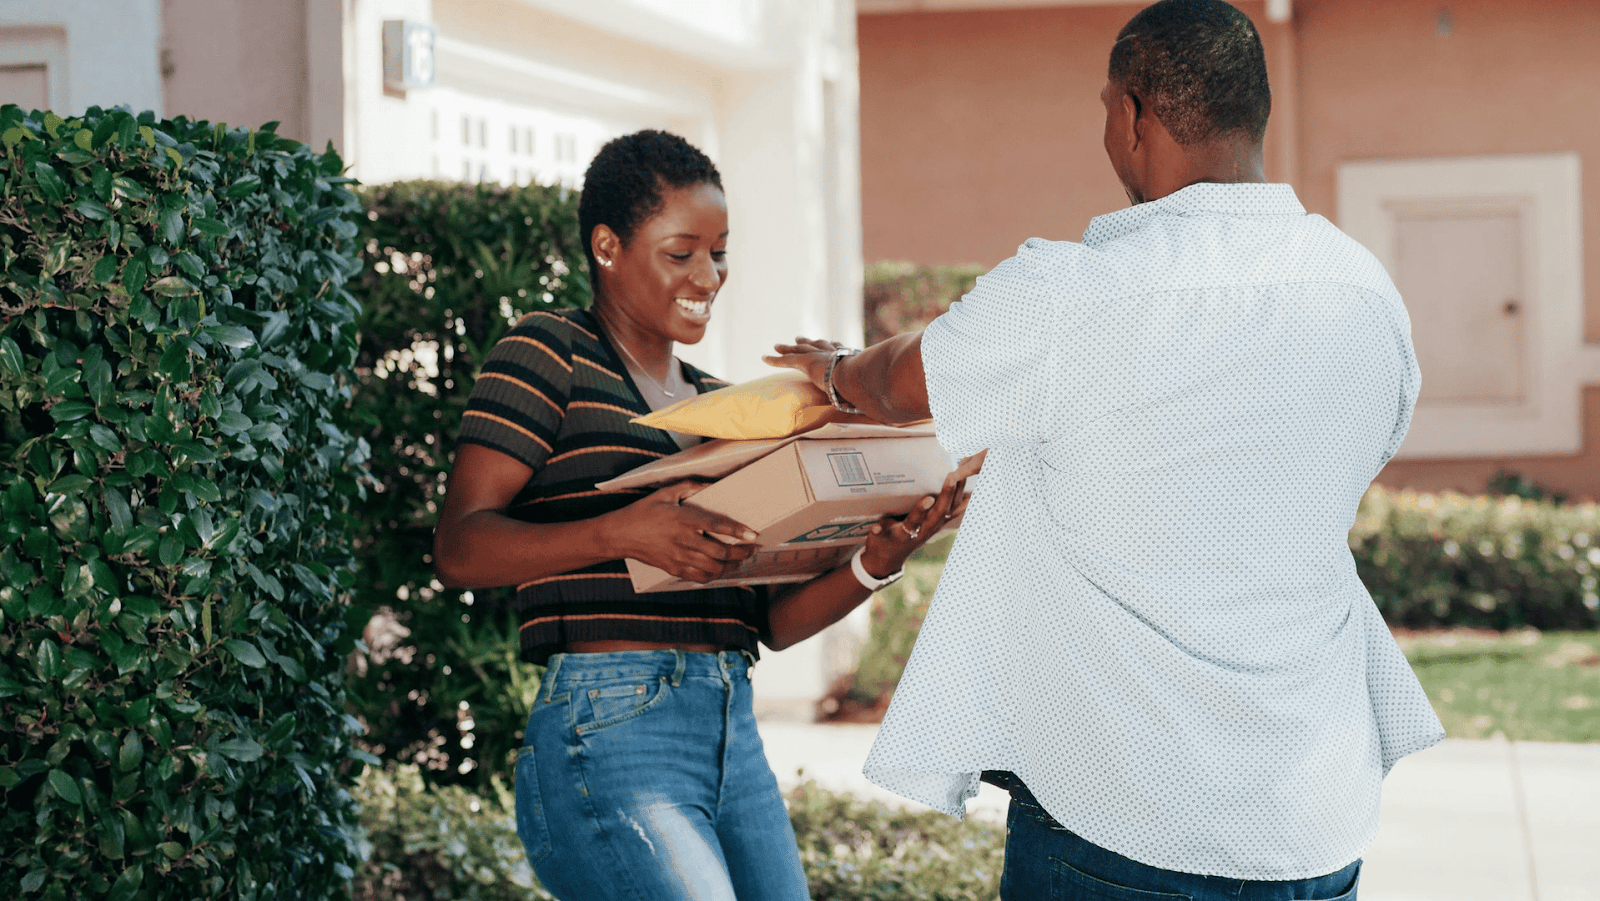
{"x": 811, "y": 498}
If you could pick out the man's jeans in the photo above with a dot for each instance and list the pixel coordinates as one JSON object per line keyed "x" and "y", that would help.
{"x": 1045, "y": 862}
{"x": 642, "y": 777}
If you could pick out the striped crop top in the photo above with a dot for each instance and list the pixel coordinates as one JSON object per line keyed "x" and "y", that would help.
{"x": 554, "y": 395}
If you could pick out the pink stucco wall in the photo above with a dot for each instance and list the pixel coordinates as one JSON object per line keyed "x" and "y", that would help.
{"x": 242, "y": 62}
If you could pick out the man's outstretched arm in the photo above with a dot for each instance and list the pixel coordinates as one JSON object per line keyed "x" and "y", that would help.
{"x": 885, "y": 381}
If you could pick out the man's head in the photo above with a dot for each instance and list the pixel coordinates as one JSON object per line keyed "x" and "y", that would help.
{"x": 1196, "y": 67}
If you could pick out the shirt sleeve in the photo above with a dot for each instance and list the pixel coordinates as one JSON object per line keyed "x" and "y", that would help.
{"x": 989, "y": 359}
{"x": 1410, "y": 383}
{"x": 520, "y": 397}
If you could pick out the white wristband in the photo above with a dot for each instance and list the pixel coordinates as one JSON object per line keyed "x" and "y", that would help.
{"x": 867, "y": 580}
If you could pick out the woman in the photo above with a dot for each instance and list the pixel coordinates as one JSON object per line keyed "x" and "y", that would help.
{"x": 641, "y": 775}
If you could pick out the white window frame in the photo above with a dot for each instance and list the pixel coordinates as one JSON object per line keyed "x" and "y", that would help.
{"x": 1546, "y": 189}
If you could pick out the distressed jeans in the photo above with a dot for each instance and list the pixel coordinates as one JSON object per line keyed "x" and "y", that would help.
{"x": 642, "y": 777}
{"x": 1046, "y": 862}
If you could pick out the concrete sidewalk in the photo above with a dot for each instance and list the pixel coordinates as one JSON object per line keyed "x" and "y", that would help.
{"x": 1463, "y": 821}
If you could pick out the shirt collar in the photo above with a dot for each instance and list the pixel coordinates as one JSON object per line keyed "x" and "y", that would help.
{"x": 1205, "y": 199}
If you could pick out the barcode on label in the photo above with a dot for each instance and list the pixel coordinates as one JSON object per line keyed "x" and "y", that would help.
{"x": 850, "y": 469}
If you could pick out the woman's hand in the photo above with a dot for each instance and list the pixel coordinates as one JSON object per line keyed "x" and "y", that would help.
{"x": 685, "y": 540}
{"x": 802, "y": 611}
{"x": 809, "y": 355}
{"x": 891, "y": 541}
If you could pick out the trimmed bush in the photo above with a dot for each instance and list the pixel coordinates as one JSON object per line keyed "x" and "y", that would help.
{"x": 1489, "y": 562}
{"x": 174, "y": 335}
{"x": 450, "y": 268}
{"x": 899, "y": 297}
{"x": 448, "y": 842}
{"x": 856, "y": 850}
{"x": 440, "y": 841}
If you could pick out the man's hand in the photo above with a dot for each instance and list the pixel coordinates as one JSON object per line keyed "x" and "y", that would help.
{"x": 885, "y": 381}
{"x": 809, "y": 355}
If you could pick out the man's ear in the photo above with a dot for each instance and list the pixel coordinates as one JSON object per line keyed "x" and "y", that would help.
{"x": 1135, "y": 112}
{"x": 605, "y": 244}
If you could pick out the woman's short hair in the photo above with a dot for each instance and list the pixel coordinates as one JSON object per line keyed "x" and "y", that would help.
{"x": 622, "y": 188}
{"x": 1200, "y": 65}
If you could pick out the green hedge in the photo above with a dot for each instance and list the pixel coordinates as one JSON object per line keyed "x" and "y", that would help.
{"x": 448, "y": 842}
{"x": 449, "y": 268}
{"x": 1489, "y": 562}
{"x": 173, "y": 336}
{"x": 899, "y": 297}
{"x": 440, "y": 841}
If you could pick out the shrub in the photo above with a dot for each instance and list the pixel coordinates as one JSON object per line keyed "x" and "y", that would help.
{"x": 856, "y": 850}
{"x": 449, "y": 268}
{"x": 899, "y": 297}
{"x": 440, "y": 841}
{"x": 1494, "y": 563}
{"x": 447, "y": 842}
{"x": 173, "y": 335}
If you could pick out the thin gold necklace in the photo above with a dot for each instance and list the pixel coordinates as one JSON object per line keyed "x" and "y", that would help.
{"x": 671, "y": 365}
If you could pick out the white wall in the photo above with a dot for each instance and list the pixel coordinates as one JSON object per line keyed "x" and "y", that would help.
{"x": 110, "y": 49}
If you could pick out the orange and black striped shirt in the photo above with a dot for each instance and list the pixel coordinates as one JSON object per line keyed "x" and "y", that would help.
{"x": 555, "y": 395}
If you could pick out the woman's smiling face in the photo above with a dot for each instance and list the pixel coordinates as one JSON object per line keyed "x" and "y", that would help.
{"x": 663, "y": 282}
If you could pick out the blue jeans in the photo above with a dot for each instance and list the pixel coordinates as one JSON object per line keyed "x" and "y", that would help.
{"x": 642, "y": 777}
{"x": 1045, "y": 862}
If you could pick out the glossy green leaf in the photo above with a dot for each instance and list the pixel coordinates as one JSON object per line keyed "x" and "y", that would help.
{"x": 245, "y": 652}
{"x": 89, "y": 208}
{"x": 211, "y": 228}
{"x": 118, "y": 510}
{"x": 65, "y": 787}
{"x": 171, "y": 224}
{"x": 131, "y": 752}
{"x": 241, "y": 749}
{"x": 171, "y": 549}
{"x": 105, "y": 271}
{"x": 173, "y": 286}
{"x": 49, "y": 182}
{"x": 10, "y": 357}
{"x": 231, "y": 335}
{"x": 68, "y": 410}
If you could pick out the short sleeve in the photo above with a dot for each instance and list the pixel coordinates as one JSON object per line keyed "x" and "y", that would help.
{"x": 1411, "y": 383}
{"x": 988, "y": 359}
{"x": 520, "y": 397}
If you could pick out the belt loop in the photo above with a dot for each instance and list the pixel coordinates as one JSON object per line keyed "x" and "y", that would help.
{"x": 750, "y": 663}
{"x": 550, "y": 670}
{"x": 677, "y": 672}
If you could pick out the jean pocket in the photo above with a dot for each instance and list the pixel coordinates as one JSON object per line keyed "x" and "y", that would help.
{"x": 1068, "y": 883}
{"x": 607, "y": 705}
{"x": 1349, "y": 894}
{"x": 531, "y": 825}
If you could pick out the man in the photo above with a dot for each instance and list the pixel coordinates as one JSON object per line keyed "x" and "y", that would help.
{"x": 1150, "y": 626}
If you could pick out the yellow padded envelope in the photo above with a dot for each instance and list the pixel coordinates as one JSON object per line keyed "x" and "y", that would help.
{"x": 775, "y": 406}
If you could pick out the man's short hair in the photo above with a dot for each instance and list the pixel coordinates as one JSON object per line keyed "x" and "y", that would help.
{"x": 1200, "y": 65}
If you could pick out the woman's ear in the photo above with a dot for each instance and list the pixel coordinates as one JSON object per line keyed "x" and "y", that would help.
{"x": 605, "y": 245}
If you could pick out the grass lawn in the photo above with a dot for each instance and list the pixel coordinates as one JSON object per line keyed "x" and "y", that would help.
{"x": 1529, "y": 685}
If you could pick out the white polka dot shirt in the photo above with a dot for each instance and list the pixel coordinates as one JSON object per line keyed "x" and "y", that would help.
{"x": 1151, "y": 614}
